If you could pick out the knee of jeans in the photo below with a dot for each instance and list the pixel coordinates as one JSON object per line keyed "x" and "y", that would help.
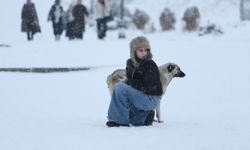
{"x": 120, "y": 86}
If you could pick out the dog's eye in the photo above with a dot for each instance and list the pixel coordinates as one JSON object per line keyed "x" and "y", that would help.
{"x": 170, "y": 68}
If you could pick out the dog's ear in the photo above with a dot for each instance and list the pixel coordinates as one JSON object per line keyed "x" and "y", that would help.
{"x": 170, "y": 68}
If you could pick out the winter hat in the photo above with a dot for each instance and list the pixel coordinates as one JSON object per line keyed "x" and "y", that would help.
{"x": 137, "y": 43}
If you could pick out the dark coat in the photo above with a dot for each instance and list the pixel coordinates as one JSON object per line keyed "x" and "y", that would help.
{"x": 70, "y": 24}
{"x": 145, "y": 77}
{"x": 79, "y": 13}
{"x": 57, "y": 21}
{"x": 52, "y": 15}
{"x": 30, "y": 19}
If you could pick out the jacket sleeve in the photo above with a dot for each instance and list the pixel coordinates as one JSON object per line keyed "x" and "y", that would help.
{"x": 129, "y": 69}
{"x": 35, "y": 14}
{"x": 133, "y": 79}
{"x": 151, "y": 73}
{"x": 23, "y": 12}
{"x": 86, "y": 12}
{"x": 50, "y": 14}
{"x": 74, "y": 11}
{"x": 151, "y": 78}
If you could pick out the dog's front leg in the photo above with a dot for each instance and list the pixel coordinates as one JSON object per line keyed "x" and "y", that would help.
{"x": 158, "y": 114}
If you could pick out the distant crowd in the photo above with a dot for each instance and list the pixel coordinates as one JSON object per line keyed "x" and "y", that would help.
{"x": 72, "y": 21}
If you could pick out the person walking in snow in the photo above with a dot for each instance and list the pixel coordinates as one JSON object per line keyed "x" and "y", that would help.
{"x": 70, "y": 23}
{"x": 102, "y": 12}
{"x": 56, "y": 16}
{"x": 30, "y": 23}
{"x": 79, "y": 12}
{"x": 134, "y": 102}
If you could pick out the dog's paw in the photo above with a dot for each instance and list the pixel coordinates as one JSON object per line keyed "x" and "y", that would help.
{"x": 160, "y": 121}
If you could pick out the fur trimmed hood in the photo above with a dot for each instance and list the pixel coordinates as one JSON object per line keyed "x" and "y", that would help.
{"x": 137, "y": 43}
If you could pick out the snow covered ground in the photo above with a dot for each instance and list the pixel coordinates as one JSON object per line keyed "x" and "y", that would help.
{"x": 207, "y": 110}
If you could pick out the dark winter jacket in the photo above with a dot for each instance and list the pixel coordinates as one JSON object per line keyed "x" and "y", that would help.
{"x": 30, "y": 19}
{"x": 54, "y": 16}
{"x": 144, "y": 77}
{"x": 79, "y": 13}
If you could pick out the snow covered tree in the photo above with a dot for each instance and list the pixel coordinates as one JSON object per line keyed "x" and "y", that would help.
{"x": 245, "y": 10}
{"x": 116, "y": 9}
{"x": 167, "y": 19}
{"x": 191, "y": 18}
{"x": 140, "y": 19}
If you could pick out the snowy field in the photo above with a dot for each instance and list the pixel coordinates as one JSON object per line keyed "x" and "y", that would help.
{"x": 207, "y": 110}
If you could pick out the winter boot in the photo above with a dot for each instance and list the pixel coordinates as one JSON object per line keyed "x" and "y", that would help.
{"x": 115, "y": 124}
{"x": 150, "y": 118}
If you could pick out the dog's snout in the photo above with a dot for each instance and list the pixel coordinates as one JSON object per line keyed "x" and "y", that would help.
{"x": 180, "y": 74}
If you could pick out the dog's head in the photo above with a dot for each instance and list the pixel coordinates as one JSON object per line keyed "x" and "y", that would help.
{"x": 172, "y": 69}
{"x": 118, "y": 75}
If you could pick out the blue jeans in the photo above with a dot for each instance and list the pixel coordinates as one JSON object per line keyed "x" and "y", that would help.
{"x": 131, "y": 106}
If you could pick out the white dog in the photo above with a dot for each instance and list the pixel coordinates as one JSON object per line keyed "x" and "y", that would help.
{"x": 167, "y": 73}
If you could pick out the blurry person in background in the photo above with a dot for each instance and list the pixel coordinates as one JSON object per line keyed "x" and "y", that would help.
{"x": 102, "y": 11}
{"x": 30, "y": 22}
{"x": 79, "y": 12}
{"x": 56, "y": 16}
{"x": 70, "y": 23}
